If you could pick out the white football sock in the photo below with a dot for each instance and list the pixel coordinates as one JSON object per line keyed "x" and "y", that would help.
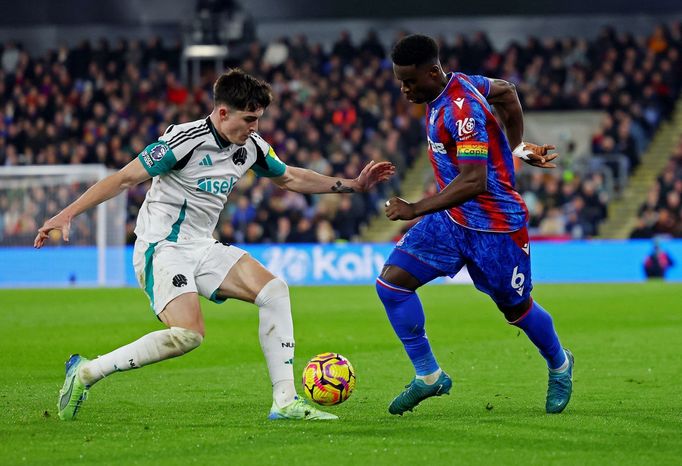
{"x": 276, "y": 335}
{"x": 431, "y": 378}
{"x": 151, "y": 348}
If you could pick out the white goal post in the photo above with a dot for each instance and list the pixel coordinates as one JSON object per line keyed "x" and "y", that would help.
{"x": 29, "y": 195}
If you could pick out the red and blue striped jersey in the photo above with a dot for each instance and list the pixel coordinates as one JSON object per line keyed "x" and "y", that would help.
{"x": 462, "y": 129}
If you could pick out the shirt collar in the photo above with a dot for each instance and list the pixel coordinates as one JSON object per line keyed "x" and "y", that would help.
{"x": 222, "y": 142}
{"x": 450, "y": 76}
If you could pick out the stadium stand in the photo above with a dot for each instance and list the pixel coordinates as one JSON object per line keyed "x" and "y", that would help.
{"x": 98, "y": 104}
{"x": 334, "y": 111}
{"x": 661, "y": 213}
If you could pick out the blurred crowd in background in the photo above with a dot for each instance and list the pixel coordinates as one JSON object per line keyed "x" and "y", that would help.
{"x": 334, "y": 111}
{"x": 661, "y": 213}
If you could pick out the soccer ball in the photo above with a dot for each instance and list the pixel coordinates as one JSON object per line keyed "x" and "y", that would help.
{"x": 328, "y": 379}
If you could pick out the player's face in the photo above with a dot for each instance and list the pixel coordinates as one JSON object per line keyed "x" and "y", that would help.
{"x": 237, "y": 125}
{"x": 418, "y": 83}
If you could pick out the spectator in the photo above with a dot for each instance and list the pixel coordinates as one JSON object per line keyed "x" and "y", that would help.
{"x": 642, "y": 230}
{"x": 324, "y": 232}
{"x": 243, "y": 215}
{"x": 10, "y": 58}
{"x": 661, "y": 213}
{"x": 657, "y": 263}
{"x": 371, "y": 46}
{"x": 344, "y": 48}
{"x": 303, "y": 233}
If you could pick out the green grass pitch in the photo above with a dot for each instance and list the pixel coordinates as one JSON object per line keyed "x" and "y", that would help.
{"x": 210, "y": 406}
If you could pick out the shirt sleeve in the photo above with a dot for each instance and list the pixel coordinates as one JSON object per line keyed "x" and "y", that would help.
{"x": 481, "y": 83}
{"x": 467, "y": 127}
{"x": 157, "y": 158}
{"x": 267, "y": 164}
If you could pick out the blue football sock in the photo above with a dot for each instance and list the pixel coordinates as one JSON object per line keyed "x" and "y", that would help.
{"x": 404, "y": 310}
{"x": 538, "y": 325}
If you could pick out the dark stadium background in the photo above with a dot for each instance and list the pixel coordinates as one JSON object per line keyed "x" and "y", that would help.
{"x": 600, "y": 79}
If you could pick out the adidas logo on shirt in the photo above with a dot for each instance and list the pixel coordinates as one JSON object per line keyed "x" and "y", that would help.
{"x": 206, "y": 161}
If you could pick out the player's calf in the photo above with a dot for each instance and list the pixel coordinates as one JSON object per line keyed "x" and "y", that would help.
{"x": 81, "y": 373}
{"x": 153, "y": 347}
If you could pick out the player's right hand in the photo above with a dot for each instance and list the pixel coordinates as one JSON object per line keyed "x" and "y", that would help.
{"x": 59, "y": 222}
{"x": 399, "y": 209}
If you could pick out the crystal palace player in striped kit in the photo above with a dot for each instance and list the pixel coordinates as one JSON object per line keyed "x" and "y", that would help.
{"x": 477, "y": 219}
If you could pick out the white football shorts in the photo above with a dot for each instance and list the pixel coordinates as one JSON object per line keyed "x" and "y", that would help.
{"x": 165, "y": 270}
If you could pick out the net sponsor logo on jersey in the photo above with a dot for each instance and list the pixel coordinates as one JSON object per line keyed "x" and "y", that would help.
{"x": 216, "y": 186}
{"x": 437, "y": 147}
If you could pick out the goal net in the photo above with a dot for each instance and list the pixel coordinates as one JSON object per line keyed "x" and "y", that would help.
{"x": 95, "y": 254}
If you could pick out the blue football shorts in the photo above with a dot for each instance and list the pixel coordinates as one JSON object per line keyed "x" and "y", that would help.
{"x": 498, "y": 263}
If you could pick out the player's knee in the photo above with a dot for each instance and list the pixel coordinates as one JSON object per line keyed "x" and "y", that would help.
{"x": 390, "y": 293}
{"x": 514, "y": 313}
{"x": 185, "y": 340}
{"x": 396, "y": 276}
{"x": 274, "y": 289}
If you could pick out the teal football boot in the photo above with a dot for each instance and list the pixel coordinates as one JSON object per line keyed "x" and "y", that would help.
{"x": 417, "y": 391}
{"x": 560, "y": 387}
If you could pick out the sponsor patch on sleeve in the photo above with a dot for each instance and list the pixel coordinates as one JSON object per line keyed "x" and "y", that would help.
{"x": 157, "y": 158}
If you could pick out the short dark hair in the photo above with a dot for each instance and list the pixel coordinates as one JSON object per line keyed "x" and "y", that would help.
{"x": 415, "y": 49}
{"x": 241, "y": 91}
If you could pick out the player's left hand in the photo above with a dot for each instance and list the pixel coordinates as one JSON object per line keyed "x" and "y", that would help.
{"x": 399, "y": 209}
{"x": 372, "y": 174}
{"x": 537, "y": 155}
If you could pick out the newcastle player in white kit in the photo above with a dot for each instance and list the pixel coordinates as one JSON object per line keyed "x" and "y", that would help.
{"x": 194, "y": 167}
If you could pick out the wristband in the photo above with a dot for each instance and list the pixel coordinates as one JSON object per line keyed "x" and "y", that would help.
{"x": 520, "y": 152}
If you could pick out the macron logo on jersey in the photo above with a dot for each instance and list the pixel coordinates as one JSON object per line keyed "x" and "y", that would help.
{"x": 212, "y": 186}
{"x": 206, "y": 161}
{"x": 459, "y": 101}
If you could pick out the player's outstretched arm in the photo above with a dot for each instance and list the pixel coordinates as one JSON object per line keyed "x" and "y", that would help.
{"x": 111, "y": 186}
{"x": 502, "y": 95}
{"x": 302, "y": 180}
